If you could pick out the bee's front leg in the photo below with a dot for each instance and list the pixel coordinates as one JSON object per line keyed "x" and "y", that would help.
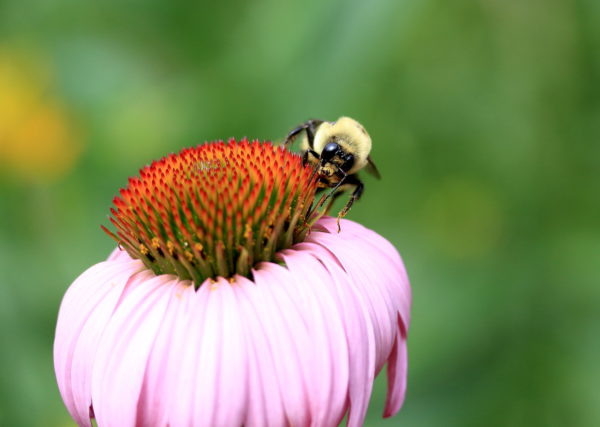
{"x": 310, "y": 156}
{"x": 359, "y": 187}
{"x": 310, "y": 126}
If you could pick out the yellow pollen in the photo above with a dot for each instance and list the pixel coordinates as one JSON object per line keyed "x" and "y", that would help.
{"x": 198, "y": 247}
{"x": 247, "y": 231}
{"x": 268, "y": 231}
{"x": 189, "y": 255}
{"x": 170, "y": 247}
{"x": 155, "y": 243}
{"x": 143, "y": 249}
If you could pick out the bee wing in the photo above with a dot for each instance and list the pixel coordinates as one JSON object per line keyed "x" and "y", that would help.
{"x": 371, "y": 168}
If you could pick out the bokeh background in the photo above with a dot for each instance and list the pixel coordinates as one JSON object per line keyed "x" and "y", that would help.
{"x": 485, "y": 116}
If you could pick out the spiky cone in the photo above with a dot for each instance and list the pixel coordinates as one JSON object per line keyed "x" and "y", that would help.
{"x": 228, "y": 302}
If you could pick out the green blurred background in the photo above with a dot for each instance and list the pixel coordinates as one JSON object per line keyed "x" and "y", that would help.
{"x": 485, "y": 117}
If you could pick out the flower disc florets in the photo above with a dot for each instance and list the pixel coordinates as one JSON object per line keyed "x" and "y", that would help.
{"x": 215, "y": 209}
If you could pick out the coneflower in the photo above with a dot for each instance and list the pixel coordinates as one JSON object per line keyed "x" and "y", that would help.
{"x": 229, "y": 302}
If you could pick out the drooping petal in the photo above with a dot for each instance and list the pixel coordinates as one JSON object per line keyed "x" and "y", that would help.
{"x": 205, "y": 377}
{"x": 166, "y": 351}
{"x": 183, "y": 373}
{"x": 265, "y": 406}
{"x": 279, "y": 354}
{"x": 329, "y": 348}
{"x": 375, "y": 276}
{"x": 358, "y": 333}
{"x": 84, "y": 313}
{"x": 396, "y": 373}
{"x": 232, "y": 387}
{"x": 379, "y": 248}
{"x": 124, "y": 348}
{"x": 383, "y": 284}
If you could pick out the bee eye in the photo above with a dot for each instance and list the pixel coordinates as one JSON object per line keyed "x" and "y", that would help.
{"x": 329, "y": 151}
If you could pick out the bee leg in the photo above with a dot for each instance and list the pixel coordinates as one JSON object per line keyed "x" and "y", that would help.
{"x": 358, "y": 190}
{"x": 307, "y": 153}
{"x": 310, "y": 126}
{"x": 332, "y": 201}
{"x": 315, "y": 162}
{"x": 333, "y": 192}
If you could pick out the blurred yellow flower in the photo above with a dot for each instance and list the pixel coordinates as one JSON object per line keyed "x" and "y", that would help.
{"x": 37, "y": 137}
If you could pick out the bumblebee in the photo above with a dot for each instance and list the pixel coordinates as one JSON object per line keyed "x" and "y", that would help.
{"x": 338, "y": 151}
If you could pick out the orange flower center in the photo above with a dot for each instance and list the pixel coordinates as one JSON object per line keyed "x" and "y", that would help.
{"x": 215, "y": 210}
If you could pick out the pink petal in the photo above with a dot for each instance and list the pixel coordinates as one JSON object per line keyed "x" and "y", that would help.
{"x": 396, "y": 373}
{"x": 124, "y": 348}
{"x": 208, "y": 367}
{"x": 329, "y": 347}
{"x": 119, "y": 254}
{"x": 183, "y": 373}
{"x": 278, "y": 364}
{"x": 358, "y": 332}
{"x": 383, "y": 284}
{"x": 152, "y": 405}
{"x": 376, "y": 261}
{"x": 264, "y": 406}
{"x": 232, "y": 391}
{"x": 86, "y": 307}
{"x": 385, "y": 253}
{"x": 366, "y": 274}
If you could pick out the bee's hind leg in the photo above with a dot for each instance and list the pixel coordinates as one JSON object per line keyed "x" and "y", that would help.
{"x": 359, "y": 187}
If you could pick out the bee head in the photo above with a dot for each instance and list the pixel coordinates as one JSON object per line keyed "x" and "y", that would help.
{"x": 333, "y": 153}
{"x": 329, "y": 151}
